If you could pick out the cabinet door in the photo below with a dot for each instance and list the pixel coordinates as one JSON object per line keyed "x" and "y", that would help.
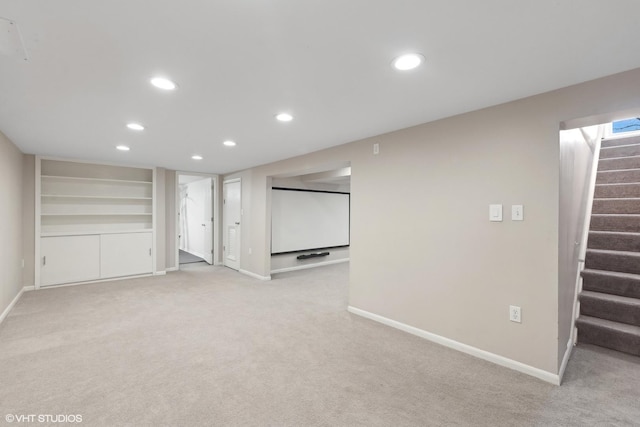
{"x": 125, "y": 254}
{"x": 69, "y": 259}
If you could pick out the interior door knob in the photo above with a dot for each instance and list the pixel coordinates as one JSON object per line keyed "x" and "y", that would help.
{"x": 237, "y": 223}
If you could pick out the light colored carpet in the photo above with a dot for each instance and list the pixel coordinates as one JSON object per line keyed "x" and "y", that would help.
{"x": 209, "y": 346}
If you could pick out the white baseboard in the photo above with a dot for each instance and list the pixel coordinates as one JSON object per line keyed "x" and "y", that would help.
{"x": 254, "y": 275}
{"x": 6, "y": 311}
{"x": 159, "y": 273}
{"x": 172, "y": 269}
{"x": 304, "y": 267}
{"x": 565, "y": 360}
{"x": 29, "y": 288}
{"x": 473, "y": 351}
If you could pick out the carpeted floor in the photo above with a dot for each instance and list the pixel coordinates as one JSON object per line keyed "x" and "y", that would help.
{"x": 207, "y": 346}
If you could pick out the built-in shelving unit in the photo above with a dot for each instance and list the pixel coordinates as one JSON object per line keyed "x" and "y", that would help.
{"x": 96, "y": 218}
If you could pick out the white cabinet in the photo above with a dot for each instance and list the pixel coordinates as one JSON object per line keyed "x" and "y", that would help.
{"x": 125, "y": 254}
{"x": 69, "y": 259}
{"x": 95, "y": 221}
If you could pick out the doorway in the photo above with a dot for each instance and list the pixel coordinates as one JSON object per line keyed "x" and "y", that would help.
{"x": 232, "y": 213}
{"x": 196, "y": 219}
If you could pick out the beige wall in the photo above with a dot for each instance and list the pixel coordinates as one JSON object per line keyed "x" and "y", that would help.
{"x": 11, "y": 191}
{"x": 171, "y": 213}
{"x": 422, "y": 249}
{"x": 28, "y": 218}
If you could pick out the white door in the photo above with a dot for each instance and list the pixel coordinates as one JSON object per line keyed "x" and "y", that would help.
{"x": 231, "y": 223}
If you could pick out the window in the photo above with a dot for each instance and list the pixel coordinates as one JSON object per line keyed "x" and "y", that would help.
{"x": 626, "y": 127}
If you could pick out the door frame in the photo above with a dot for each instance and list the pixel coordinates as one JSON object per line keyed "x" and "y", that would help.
{"x": 217, "y": 259}
{"x": 225, "y": 182}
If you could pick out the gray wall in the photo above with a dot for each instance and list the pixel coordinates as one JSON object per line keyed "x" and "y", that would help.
{"x": 422, "y": 249}
{"x": 11, "y": 192}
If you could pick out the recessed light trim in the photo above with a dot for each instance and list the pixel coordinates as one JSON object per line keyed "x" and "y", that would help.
{"x": 408, "y": 62}
{"x": 284, "y": 117}
{"x": 163, "y": 83}
{"x": 135, "y": 126}
{"x": 229, "y": 143}
{"x": 196, "y": 157}
{"x": 122, "y": 148}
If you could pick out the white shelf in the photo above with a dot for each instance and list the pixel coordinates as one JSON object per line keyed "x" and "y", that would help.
{"x": 72, "y": 196}
{"x": 75, "y": 178}
{"x": 94, "y": 214}
{"x": 84, "y": 233}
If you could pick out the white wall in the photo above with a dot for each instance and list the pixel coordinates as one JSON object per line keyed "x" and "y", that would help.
{"x": 11, "y": 196}
{"x": 422, "y": 249}
{"x": 576, "y": 161}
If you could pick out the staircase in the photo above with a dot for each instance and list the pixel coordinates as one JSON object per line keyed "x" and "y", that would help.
{"x": 610, "y": 297}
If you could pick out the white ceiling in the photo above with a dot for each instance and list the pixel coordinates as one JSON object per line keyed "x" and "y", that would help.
{"x": 238, "y": 63}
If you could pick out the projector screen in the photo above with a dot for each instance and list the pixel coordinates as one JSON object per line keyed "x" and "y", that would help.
{"x": 304, "y": 220}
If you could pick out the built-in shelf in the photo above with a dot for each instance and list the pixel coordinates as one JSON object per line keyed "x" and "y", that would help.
{"x": 77, "y": 178}
{"x": 76, "y": 196}
{"x": 85, "y": 233}
{"x": 94, "y": 214}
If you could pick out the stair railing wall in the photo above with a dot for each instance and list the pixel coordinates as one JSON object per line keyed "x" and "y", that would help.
{"x": 585, "y": 230}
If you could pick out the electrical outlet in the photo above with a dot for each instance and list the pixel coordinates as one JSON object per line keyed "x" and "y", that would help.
{"x": 250, "y": 251}
{"x": 376, "y": 148}
{"x": 515, "y": 315}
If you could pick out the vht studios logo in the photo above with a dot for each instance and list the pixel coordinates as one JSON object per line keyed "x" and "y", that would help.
{"x": 42, "y": 418}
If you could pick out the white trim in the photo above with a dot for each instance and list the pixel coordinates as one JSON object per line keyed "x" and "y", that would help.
{"x": 6, "y": 311}
{"x": 254, "y": 275}
{"x": 304, "y": 267}
{"x": 160, "y": 273}
{"x": 565, "y": 360}
{"x": 29, "y": 288}
{"x": 230, "y": 181}
{"x": 464, "y": 348}
{"x": 172, "y": 269}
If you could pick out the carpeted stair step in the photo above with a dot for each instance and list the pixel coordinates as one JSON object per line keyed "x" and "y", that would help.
{"x": 623, "y": 262}
{"x": 614, "y": 241}
{"x": 620, "y": 151}
{"x": 619, "y": 163}
{"x": 614, "y": 142}
{"x": 615, "y": 222}
{"x": 605, "y": 333}
{"x": 618, "y": 176}
{"x": 621, "y": 190}
{"x": 611, "y": 307}
{"x": 616, "y": 206}
{"x": 611, "y": 282}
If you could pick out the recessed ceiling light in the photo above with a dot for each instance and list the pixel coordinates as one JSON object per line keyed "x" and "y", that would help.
{"x": 135, "y": 126}
{"x": 162, "y": 83}
{"x": 229, "y": 143}
{"x": 408, "y": 61}
{"x": 196, "y": 157}
{"x": 284, "y": 117}
{"x": 122, "y": 148}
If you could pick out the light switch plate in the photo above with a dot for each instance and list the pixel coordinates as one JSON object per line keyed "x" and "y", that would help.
{"x": 495, "y": 213}
{"x": 517, "y": 213}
